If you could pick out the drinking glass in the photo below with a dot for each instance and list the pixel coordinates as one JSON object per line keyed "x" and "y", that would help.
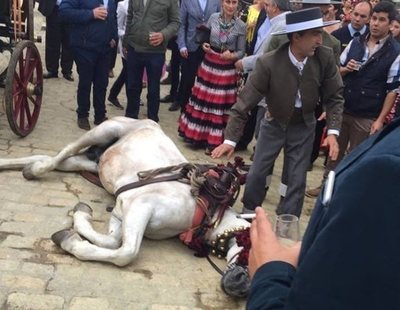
{"x": 287, "y": 229}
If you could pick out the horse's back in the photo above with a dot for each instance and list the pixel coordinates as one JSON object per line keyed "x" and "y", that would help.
{"x": 141, "y": 149}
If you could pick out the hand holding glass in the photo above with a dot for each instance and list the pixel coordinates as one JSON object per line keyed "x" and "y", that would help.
{"x": 287, "y": 229}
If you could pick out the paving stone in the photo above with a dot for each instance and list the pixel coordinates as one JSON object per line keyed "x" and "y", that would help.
{"x": 22, "y": 301}
{"x": 9, "y": 265}
{"x": 14, "y": 282}
{"x": 87, "y": 303}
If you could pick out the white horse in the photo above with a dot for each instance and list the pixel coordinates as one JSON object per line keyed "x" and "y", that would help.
{"x": 156, "y": 211}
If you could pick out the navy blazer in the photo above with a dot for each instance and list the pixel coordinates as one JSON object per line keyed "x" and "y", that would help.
{"x": 84, "y": 30}
{"x": 350, "y": 254}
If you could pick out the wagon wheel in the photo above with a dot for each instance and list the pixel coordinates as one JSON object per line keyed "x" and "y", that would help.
{"x": 24, "y": 88}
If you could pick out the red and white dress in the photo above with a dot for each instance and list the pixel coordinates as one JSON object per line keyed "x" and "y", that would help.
{"x": 203, "y": 121}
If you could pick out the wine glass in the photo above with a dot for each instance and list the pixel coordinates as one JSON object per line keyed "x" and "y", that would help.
{"x": 287, "y": 229}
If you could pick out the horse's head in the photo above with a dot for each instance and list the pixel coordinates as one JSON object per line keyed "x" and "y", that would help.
{"x": 231, "y": 238}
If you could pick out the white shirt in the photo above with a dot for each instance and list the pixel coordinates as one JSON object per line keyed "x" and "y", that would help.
{"x": 262, "y": 33}
{"x": 203, "y": 4}
{"x": 300, "y": 65}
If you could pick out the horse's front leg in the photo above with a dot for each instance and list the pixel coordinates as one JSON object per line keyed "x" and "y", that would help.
{"x": 83, "y": 226}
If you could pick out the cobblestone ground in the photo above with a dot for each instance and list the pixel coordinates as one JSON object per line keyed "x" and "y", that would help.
{"x": 34, "y": 274}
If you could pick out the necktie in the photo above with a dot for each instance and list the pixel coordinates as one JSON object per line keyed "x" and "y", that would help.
{"x": 300, "y": 66}
{"x": 356, "y": 34}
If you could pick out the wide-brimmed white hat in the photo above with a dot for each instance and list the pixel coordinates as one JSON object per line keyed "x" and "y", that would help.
{"x": 304, "y": 20}
{"x": 316, "y": 2}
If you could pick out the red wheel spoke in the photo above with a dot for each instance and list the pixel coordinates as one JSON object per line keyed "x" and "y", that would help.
{"x": 34, "y": 101}
{"x": 28, "y": 112}
{"x": 18, "y": 80}
{"x": 27, "y": 63}
{"x": 22, "y": 114}
{"x": 18, "y": 106}
{"x": 30, "y": 68}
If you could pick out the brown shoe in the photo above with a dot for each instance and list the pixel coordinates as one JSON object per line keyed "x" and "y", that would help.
{"x": 83, "y": 123}
{"x": 314, "y": 192}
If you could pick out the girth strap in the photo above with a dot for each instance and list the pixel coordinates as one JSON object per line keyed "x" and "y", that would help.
{"x": 172, "y": 177}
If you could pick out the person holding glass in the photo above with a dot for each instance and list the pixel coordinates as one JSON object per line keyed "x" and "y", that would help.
{"x": 92, "y": 35}
{"x": 349, "y": 256}
{"x": 203, "y": 121}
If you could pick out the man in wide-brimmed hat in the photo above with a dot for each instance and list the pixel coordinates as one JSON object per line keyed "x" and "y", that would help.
{"x": 293, "y": 79}
{"x": 329, "y": 41}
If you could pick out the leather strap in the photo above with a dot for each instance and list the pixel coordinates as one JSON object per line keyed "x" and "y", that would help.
{"x": 172, "y": 177}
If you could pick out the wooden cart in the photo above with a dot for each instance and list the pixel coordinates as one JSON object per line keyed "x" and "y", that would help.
{"x": 23, "y": 79}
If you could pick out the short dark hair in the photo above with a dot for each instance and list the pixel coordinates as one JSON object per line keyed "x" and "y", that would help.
{"x": 386, "y": 7}
{"x": 290, "y": 34}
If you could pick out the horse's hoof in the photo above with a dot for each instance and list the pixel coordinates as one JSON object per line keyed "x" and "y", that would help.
{"x": 84, "y": 208}
{"x": 27, "y": 172}
{"x": 61, "y": 235}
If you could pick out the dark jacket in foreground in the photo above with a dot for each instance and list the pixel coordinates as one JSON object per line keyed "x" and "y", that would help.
{"x": 279, "y": 85}
{"x": 84, "y": 30}
{"x": 350, "y": 254}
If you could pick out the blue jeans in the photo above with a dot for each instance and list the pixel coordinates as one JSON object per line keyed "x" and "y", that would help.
{"x": 137, "y": 62}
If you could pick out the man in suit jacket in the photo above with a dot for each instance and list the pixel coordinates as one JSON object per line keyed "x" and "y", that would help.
{"x": 309, "y": 73}
{"x": 349, "y": 257}
{"x": 358, "y": 25}
{"x": 92, "y": 35}
{"x": 193, "y": 13}
{"x": 57, "y": 46}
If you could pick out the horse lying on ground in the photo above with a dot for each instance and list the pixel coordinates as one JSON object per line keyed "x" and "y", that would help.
{"x": 155, "y": 210}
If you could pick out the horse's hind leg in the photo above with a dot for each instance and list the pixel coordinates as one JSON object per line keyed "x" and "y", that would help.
{"x": 133, "y": 227}
{"x": 103, "y": 134}
{"x": 82, "y": 225}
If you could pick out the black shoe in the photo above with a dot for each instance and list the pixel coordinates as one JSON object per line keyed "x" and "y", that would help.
{"x": 83, "y": 123}
{"x": 115, "y": 102}
{"x": 98, "y": 122}
{"x": 68, "y": 77}
{"x": 175, "y": 106}
{"x": 167, "y": 98}
{"x": 50, "y": 75}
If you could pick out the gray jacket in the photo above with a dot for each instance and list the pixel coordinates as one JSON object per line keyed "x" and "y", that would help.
{"x": 191, "y": 16}
{"x": 157, "y": 16}
{"x": 278, "y": 23}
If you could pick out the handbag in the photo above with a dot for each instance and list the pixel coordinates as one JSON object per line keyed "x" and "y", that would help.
{"x": 202, "y": 34}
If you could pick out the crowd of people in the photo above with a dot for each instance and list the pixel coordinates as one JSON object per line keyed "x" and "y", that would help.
{"x": 295, "y": 76}
{"x": 292, "y": 75}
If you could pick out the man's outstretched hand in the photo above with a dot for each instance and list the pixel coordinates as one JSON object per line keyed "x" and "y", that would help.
{"x": 265, "y": 247}
{"x": 222, "y": 150}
